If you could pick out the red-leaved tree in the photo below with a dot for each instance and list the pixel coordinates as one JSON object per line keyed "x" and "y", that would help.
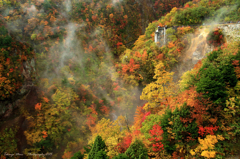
{"x": 156, "y": 137}
{"x": 123, "y": 146}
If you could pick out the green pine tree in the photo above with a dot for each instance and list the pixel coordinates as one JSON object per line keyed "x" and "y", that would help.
{"x": 99, "y": 145}
{"x": 137, "y": 150}
{"x": 101, "y": 155}
{"x": 212, "y": 84}
{"x": 77, "y": 155}
{"x": 121, "y": 156}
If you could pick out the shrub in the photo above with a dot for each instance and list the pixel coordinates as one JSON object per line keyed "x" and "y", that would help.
{"x": 216, "y": 38}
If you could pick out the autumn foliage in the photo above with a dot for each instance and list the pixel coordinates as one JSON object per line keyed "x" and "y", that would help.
{"x": 85, "y": 64}
{"x": 156, "y": 137}
{"x": 216, "y": 37}
{"x": 123, "y": 146}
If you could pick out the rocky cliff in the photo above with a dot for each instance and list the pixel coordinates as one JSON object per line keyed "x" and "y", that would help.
{"x": 199, "y": 47}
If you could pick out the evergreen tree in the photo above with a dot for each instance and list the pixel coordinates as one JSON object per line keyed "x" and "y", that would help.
{"x": 212, "y": 84}
{"x": 101, "y": 155}
{"x": 97, "y": 149}
{"x": 77, "y": 155}
{"x": 137, "y": 150}
{"x": 121, "y": 156}
{"x": 87, "y": 149}
{"x": 168, "y": 145}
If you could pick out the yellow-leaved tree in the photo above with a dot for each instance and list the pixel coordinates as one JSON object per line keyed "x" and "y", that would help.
{"x": 206, "y": 148}
{"x": 111, "y": 132}
{"x": 156, "y": 93}
{"x": 53, "y": 118}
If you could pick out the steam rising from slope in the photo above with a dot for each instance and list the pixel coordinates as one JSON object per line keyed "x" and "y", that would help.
{"x": 68, "y": 5}
{"x": 67, "y": 59}
{"x": 198, "y": 42}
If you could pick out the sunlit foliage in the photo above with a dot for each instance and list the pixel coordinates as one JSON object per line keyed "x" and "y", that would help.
{"x": 90, "y": 58}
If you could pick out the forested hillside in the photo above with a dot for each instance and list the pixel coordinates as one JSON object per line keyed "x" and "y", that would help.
{"x": 85, "y": 79}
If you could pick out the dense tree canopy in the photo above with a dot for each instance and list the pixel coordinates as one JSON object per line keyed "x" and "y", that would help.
{"x": 74, "y": 73}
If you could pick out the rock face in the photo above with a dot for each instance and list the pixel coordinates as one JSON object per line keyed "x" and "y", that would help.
{"x": 199, "y": 52}
{"x": 199, "y": 48}
{"x": 231, "y": 32}
{"x": 202, "y": 49}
